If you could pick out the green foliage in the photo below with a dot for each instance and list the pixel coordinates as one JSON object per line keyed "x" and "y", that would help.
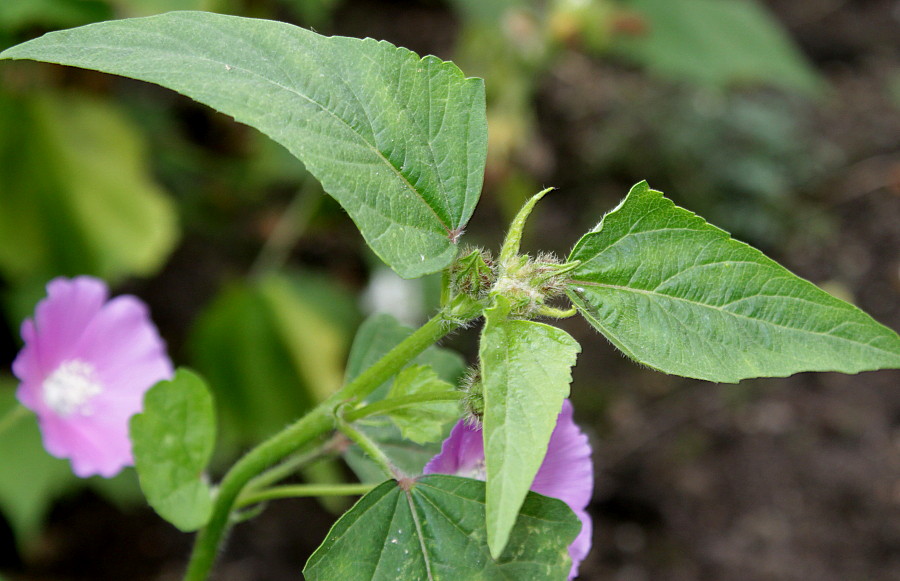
{"x": 272, "y": 349}
{"x": 717, "y": 43}
{"x": 526, "y": 372}
{"x": 31, "y": 478}
{"x": 58, "y": 13}
{"x": 422, "y": 423}
{"x": 173, "y": 440}
{"x": 680, "y": 295}
{"x": 433, "y": 528}
{"x": 376, "y": 336}
{"x": 411, "y": 132}
{"x": 76, "y": 195}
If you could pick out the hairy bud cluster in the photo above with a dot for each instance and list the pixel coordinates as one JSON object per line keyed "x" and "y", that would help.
{"x": 473, "y": 275}
{"x": 530, "y": 283}
{"x": 473, "y": 400}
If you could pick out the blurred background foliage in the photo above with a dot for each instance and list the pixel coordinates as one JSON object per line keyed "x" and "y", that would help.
{"x": 778, "y": 121}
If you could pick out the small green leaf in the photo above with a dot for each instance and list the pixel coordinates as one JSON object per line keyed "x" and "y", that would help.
{"x": 375, "y": 337}
{"x": 173, "y": 439}
{"x": 424, "y": 422}
{"x": 717, "y": 43}
{"x": 526, "y": 372}
{"x": 434, "y": 530}
{"x": 681, "y": 296}
{"x": 400, "y": 141}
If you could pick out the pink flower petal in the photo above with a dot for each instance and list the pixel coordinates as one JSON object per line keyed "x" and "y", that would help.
{"x": 566, "y": 473}
{"x": 84, "y": 369}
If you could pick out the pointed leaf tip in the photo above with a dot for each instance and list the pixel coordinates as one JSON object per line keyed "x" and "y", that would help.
{"x": 680, "y": 295}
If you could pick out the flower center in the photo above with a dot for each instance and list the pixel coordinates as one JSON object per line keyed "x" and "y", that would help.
{"x": 477, "y": 471}
{"x": 69, "y": 389}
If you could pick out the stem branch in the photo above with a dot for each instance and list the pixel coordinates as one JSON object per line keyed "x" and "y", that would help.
{"x": 317, "y": 422}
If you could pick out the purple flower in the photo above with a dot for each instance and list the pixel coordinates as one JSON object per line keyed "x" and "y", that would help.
{"x": 85, "y": 367}
{"x": 566, "y": 473}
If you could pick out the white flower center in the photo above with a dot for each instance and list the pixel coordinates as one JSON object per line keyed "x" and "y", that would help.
{"x": 69, "y": 389}
{"x": 478, "y": 471}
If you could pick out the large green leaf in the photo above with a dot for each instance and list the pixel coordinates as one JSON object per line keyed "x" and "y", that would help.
{"x": 717, "y": 42}
{"x": 173, "y": 440}
{"x": 76, "y": 196}
{"x": 526, "y": 372}
{"x": 680, "y": 295}
{"x": 399, "y": 141}
{"x": 433, "y": 529}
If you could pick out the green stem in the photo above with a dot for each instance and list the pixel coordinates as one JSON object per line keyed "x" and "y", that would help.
{"x": 390, "y": 404}
{"x": 295, "y": 462}
{"x": 313, "y": 425}
{"x": 371, "y": 449}
{"x": 302, "y": 490}
{"x": 12, "y": 417}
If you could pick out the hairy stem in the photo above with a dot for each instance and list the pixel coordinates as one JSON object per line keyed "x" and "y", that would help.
{"x": 388, "y": 405}
{"x": 302, "y": 490}
{"x": 317, "y": 422}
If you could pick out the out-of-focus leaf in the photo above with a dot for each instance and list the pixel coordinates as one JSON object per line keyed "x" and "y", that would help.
{"x": 526, "y": 372}
{"x": 173, "y": 439}
{"x": 680, "y": 295}
{"x": 31, "y": 479}
{"x": 423, "y": 422}
{"x": 717, "y": 43}
{"x": 433, "y": 528}
{"x": 400, "y": 141}
{"x": 131, "y": 8}
{"x": 270, "y": 350}
{"x": 16, "y": 14}
{"x": 76, "y": 197}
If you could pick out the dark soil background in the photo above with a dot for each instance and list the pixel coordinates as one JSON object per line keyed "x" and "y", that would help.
{"x": 793, "y": 479}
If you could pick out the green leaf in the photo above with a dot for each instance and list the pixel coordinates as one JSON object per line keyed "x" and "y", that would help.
{"x": 76, "y": 195}
{"x": 433, "y": 528}
{"x": 681, "y": 296}
{"x": 375, "y": 337}
{"x": 399, "y": 141}
{"x": 31, "y": 479}
{"x": 423, "y": 422}
{"x": 289, "y": 354}
{"x": 717, "y": 43}
{"x": 173, "y": 440}
{"x": 526, "y": 372}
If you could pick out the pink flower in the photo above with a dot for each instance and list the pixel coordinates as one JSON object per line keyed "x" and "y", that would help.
{"x": 85, "y": 367}
{"x": 566, "y": 473}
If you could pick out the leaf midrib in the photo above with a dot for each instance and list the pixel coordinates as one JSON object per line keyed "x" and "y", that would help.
{"x": 731, "y": 313}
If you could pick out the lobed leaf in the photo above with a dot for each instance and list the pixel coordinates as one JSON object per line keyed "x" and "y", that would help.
{"x": 400, "y": 141}
{"x": 173, "y": 440}
{"x": 424, "y": 422}
{"x": 526, "y": 372}
{"x": 680, "y": 295}
{"x": 433, "y": 528}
